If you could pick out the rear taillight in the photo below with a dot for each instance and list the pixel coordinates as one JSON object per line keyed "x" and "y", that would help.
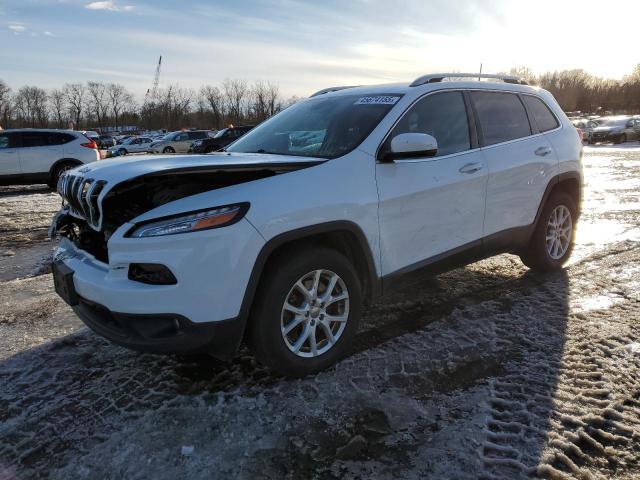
{"x": 580, "y": 133}
{"x": 90, "y": 143}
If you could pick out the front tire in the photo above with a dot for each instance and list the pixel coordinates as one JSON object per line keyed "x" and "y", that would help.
{"x": 307, "y": 311}
{"x": 169, "y": 150}
{"x": 553, "y": 238}
{"x": 621, "y": 139}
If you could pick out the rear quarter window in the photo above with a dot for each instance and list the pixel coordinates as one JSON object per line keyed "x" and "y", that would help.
{"x": 58, "y": 138}
{"x": 542, "y": 115}
{"x": 502, "y": 116}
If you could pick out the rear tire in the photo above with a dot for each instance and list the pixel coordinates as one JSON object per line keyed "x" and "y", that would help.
{"x": 291, "y": 330}
{"x": 553, "y": 238}
{"x": 621, "y": 139}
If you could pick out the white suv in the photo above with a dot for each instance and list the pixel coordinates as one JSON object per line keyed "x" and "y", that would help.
{"x": 353, "y": 192}
{"x": 41, "y": 156}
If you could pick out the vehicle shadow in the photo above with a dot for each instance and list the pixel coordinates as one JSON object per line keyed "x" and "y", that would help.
{"x": 494, "y": 325}
{"x": 19, "y": 190}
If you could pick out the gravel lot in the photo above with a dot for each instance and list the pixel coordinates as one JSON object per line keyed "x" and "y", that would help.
{"x": 487, "y": 372}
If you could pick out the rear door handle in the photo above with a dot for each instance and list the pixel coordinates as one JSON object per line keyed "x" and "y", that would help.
{"x": 470, "y": 168}
{"x": 542, "y": 151}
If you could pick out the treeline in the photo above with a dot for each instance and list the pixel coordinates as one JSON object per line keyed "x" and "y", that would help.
{"x": 97, "y": 105}
{"x": 577, "y": 90}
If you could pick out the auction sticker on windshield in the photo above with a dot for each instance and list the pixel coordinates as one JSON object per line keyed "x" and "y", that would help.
{"x": 377, "y": 100}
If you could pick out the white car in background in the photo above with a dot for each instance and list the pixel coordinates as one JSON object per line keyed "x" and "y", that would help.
{"x": 349, "y": 194}
{"x": 178, "y": 142}
{"x": 40, "y": 155}
{"x": 131, "y": 145}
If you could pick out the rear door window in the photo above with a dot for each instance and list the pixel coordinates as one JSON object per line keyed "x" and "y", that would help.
{"x": 502, "y": 116}
{"x": 4, "y": 140}
{"x": 34, "y": 139}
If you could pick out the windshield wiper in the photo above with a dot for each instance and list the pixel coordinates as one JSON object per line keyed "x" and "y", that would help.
{"x": 262, "y": 150}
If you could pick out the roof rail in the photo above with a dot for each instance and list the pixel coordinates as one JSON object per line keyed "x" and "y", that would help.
{"x": 331, "y": 89}
{"x": 439, "y": 77}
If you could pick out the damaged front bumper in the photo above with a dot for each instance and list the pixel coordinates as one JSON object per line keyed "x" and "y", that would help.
{"x": 198, "y": 313}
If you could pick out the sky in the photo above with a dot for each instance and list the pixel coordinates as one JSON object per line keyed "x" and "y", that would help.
{"x": 306, "y": 46}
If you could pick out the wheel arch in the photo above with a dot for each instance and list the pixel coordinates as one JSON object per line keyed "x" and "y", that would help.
{"x": 343, "y": 236}
{"x": 570, "y": 182}
{"x": 59, "y": 162}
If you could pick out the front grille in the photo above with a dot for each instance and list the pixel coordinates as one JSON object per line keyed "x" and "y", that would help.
{"x": 81, "y": 195}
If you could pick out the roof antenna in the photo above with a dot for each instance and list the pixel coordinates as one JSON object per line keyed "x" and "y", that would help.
{"x": 480, "y": 74}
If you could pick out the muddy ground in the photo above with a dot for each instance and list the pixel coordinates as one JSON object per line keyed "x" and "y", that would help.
{"x": 487, "y": 372}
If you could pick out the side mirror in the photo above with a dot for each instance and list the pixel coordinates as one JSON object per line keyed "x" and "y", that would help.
{"x": 411, "y": 145}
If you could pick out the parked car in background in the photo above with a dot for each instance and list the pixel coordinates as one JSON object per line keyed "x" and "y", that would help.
{"x": 105, "y": 141}
{"x": 41, "y": 155}
{"x": 220, "y": 140}
{"x": 131, "y": 145}
{"x": 178, "y": 142}
{"x": 122, "y": 138}
{"x": 279, "y": 242}
{"x": 586, "y": 126}
{"x": 618, "y": 129}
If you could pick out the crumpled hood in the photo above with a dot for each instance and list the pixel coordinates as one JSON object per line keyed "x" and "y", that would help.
{"x": 117, "y": 170}
{"x": 160, "y": 179}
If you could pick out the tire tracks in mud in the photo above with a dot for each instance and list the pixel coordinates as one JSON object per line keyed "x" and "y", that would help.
{"x": 576, "y": 415}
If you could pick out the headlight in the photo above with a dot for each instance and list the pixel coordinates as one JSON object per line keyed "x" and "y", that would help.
{"x": 191, "y": 222}
{"x": 196, "y": 143}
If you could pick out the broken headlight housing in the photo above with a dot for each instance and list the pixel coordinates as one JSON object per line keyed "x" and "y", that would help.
{"x": 190, "y": 222}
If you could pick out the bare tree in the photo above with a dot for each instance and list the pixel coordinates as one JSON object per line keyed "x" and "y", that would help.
{"x": 98, "y": 100}
{"x": 31, "y": 106}
{"x": 5, "y": 103}
{"x": 58, "y": 102}
{"x": 213, "y": 97}
{"x": 76, "y": 98}
{"x": 119, "y": 99}
{"x": 235, "y": 98}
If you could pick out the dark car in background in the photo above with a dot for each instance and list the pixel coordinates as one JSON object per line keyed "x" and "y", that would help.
{"x": 616, "y": 129}
{"x": 220, "y": 140}
{"x": 105, "y": 141}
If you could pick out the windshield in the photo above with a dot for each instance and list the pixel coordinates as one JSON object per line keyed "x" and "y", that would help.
{"x": 220, "y": 133}
{"x": 168, "y": 136}
{"x": 321, "y": 127}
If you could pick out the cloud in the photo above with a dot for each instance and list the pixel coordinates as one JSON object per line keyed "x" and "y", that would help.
{"x": 17, "y": 28}
{"x": 108, "y": 5}
{"x": 48, "y": 33}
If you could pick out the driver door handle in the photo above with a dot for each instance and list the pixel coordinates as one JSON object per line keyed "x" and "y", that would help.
{"x": 470, "y": 168}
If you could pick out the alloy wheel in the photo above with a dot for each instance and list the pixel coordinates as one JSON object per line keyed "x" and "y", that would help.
{"x": 559, "y": 232}
{"x": 315, "y": 313}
